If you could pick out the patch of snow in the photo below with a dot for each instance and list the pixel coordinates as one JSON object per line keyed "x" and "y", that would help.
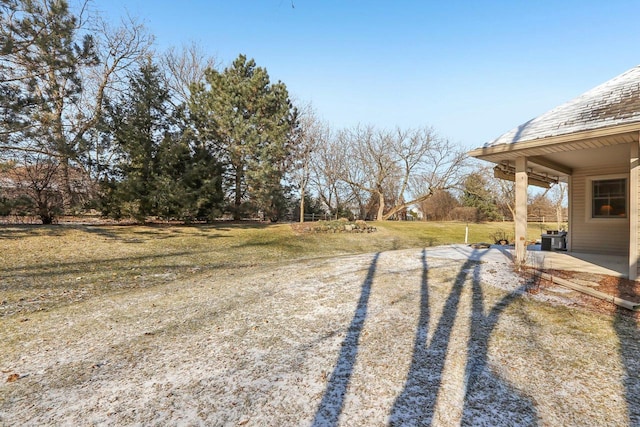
{"x": 410, "y": 337}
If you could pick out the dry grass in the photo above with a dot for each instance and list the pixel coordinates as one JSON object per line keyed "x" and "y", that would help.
{"x": 255, "y": 325}
{"x": 42, "y": 267}
{"x": 45, "y": 266}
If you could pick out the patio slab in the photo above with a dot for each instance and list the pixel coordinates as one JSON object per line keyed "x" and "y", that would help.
{"x": 612, "y": 265}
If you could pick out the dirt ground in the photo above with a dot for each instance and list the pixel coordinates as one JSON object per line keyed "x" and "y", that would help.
{"x": 408, "y": 337}
{"x": 609, "y": 285}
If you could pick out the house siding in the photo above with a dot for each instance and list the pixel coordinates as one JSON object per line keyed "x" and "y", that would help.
{"x": 638, "y": 228}
{"x": 596, "y": 236}
{"x": 634, "y": 174}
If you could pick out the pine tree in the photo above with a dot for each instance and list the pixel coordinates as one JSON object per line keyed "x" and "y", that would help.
{"x": 40, "y": 85}
{"x": 55, "y": 72}
{"x": 253, "y": 125}
{"x": 161, "y": 170}
{"x": 140, "y": 123}
{"x": 478, "y": 194}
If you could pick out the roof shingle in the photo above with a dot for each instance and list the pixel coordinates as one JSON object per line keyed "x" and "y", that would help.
{"x": 614, "y": 102}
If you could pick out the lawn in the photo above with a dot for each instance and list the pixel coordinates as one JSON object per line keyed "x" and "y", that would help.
{"x": 257, "y": 325}
{"x": 43, "y": 266}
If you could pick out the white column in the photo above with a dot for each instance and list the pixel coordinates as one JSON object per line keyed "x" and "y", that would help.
{"x": 570, "y": 211}
{"x": 634, "y": 168}
{"x": 522, "y": 182}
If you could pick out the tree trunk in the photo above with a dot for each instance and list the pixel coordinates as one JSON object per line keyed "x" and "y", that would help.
{"x": 380, "y": 216}
{"x": 44, "y": 212}
{"x": 559, "y": 216}
{"x": 302, "y": 205}
{"x": 238, "y": 196}
{"x": 399, "y": 207}
{"x": 67, "y": 192}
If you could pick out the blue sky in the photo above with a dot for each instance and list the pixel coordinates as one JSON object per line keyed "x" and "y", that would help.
{"x": 471, "y": 69}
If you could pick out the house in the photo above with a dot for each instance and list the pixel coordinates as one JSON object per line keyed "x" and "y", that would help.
{"x": 592, "y": 143}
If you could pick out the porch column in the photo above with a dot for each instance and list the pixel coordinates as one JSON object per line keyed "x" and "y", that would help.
{"x": 522, "y": 182}
{"x": 634, "y": 170}
{"x": 570, "y": 211}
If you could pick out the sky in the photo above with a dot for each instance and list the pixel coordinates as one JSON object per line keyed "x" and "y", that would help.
{"x": 472, "y": 70}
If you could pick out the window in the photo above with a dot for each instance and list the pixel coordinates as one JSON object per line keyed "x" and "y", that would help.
{"x": 609, "y": 198}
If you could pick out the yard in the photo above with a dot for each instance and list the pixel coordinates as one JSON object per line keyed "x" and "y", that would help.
{"x": 257, "y": 325}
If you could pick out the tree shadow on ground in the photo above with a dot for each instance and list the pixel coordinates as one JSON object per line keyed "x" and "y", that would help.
{"x": 20, "y": 231}
{"x": 416, "y": 404}
{"x": 52, "y": 269}
{"x": 123, "y": 232}
{"x": 148, "y": 232}
{"x": 507, "y": 406}
{"x": 331, "y": 406}
{"x": 626, "y": 328}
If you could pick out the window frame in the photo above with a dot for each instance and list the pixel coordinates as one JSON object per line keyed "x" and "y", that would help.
{"x": 589, "y": 201}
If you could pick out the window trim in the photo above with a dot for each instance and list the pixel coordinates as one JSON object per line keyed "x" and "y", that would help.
{"x": 589, "y": 198}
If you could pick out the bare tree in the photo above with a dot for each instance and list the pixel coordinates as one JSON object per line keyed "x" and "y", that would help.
{"x": 558, "y": 197}
{"x": 313, "y": 134}
{"x": 506, "y": 195}
{"x": 428, "y": 164}
{"x": 440, "y": 206}
{"x": 60, "y": 65}
{"x": 119, "y": 50}
{"x": 183, "y": 67}
{"x": 324, "y": 175}
{"x": 37, "y": 180}
{"x": 396, "y": 169}
{"x": 369, "y": 163}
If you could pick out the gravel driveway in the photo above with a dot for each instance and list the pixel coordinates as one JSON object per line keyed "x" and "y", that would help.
{"x": 438, "y": 336}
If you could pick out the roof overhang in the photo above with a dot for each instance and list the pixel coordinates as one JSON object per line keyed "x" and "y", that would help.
{"x": 545, "y": 157}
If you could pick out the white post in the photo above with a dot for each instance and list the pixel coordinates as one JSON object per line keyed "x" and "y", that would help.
{"x": 570, "y": 212}
{"x": 466, "y": 234}
{"x": 633, "y": 210}
{"x": 522, "y": 182}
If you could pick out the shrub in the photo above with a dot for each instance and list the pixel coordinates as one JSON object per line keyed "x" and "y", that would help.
{"x": 340, "y": 226}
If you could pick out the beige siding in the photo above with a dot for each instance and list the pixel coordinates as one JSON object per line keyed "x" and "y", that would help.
{"x": 637, "y": 213}
{"x": 599, "y": 236}
{"x": 634, "y": 242}
{"x": 638, "y": 233}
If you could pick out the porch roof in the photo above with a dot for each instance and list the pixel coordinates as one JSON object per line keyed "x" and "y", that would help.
{"x": 605, "y": 116}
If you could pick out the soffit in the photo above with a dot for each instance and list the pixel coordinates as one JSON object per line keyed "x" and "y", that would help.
{"x": 584, "y": 153}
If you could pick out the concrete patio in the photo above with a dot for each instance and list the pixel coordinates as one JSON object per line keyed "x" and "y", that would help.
{"x": 613, "y": 265}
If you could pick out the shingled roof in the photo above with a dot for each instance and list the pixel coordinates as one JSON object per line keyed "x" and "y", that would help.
{"x": 615, "y": 102}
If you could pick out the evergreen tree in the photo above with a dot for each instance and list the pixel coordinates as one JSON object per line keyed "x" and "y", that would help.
{"x": 478, "y": 194}
{"x": 55, "y": 73}
{"x": 140, "y": 124}
{"x": 161, "y": 171}
{"x": 40, "y": 84}
{"x": 189, "y": 180}
{"x": 253, "y": 125}
{"x": 313, "y": 208}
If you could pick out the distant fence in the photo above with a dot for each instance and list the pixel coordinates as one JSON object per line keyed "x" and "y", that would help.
{"x": 545, "y": 219}
{"x": 312, "y": 217}
{"x": 319, "y": 217}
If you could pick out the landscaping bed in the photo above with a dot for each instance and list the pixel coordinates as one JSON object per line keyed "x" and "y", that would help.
{"x": 338, "y": 226}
